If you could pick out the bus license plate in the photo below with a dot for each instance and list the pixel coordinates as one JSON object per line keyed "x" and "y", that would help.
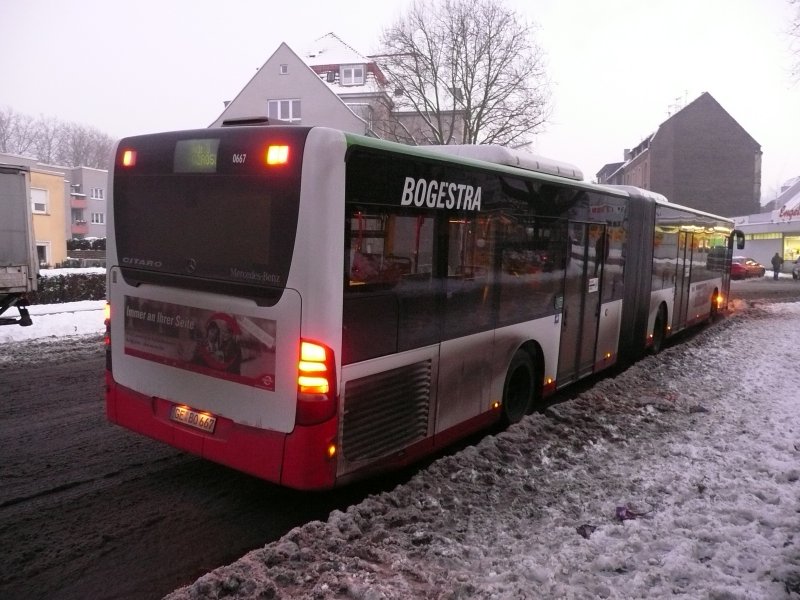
{"x": 193, "y": 418}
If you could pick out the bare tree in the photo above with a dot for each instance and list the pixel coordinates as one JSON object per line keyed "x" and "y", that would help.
{"x": 17, "y": 132}
{"x": 464, "y": 72}
{"x": 48, "y": 141}
{"x": 76, "y": 146}
{"x": 6, "y": 129}
{"x": 51, "y": 141}
{"x": 100, "y": 150}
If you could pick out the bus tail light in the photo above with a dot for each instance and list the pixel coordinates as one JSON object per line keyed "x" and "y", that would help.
{"x": 107, "y": 337}
{"x": 277, "y": 155}
{"x": 316, "y": 384}
{"x": 129, "y": 158}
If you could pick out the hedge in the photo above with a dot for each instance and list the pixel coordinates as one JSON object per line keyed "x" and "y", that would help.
{"x": 86, "y": 244}
{"x": 69, "y": 288}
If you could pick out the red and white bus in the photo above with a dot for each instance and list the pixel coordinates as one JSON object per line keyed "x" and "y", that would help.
{"x": 311, "y": 306}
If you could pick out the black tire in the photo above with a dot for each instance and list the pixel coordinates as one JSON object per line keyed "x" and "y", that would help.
{"x": 659, "y": 331}
{"x": 519, "y": 388}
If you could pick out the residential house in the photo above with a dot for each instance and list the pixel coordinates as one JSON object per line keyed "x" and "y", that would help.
{"x": 48, "y": 203}
{"x": 48, "y": 199}
{"x": 334, "y": 85}
{"x": 286, "y": 88}
{"x": 612, "y": 174}
{"x": 68, "y": 203}
{"x": 699, "y": 157}
{"x": 88, "y": 192}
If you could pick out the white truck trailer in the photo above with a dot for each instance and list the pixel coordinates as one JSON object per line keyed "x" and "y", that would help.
{"x": 19, "y": 264}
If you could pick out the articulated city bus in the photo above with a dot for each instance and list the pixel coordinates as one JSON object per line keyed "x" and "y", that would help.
{"x": 311, "y": 306}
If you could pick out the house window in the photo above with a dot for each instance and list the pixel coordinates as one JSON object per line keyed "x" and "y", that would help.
{"x": 97, "y": 193}
{"x": 285, "y": 110}
{"x": 43, "y": 253}
{"x": 284, "y": 69}
{"x": 39, "y": 201}
{"x": 98, "y": 218}
{"x": 352, "y": 75}
{"x": 364, "y": 111}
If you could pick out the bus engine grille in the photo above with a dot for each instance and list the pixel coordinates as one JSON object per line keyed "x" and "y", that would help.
{"x": 386, "y": 412}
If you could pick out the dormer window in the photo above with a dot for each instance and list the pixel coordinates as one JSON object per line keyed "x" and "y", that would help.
{"x": 351, "y": 74}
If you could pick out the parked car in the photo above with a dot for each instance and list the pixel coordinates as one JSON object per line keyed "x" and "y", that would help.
{"x": 796, "y": 269}
{"x": 743, "y": 267}
{"x": 755, "y": 268}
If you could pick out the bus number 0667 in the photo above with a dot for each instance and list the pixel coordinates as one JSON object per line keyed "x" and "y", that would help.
{"x": 238, "y": 159}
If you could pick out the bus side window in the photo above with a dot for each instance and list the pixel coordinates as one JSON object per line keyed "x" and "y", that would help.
{"x": 665, "y": 252}
{"x": 386, "y": 249}
{"x": 468, "y": 290}
{"x": 531, "y": 266}
{"x": 388, "y": 259}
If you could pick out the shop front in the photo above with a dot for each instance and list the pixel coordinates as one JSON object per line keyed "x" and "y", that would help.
{"x": 775, "y": 231}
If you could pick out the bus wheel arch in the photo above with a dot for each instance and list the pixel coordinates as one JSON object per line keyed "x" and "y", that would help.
{"x": 537, "y": 356}
{"x": 522, "y": 388}
{"x": 659, "y": 329}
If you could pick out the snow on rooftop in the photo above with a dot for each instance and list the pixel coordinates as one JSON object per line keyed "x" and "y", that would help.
{"x": 331, "y": 50}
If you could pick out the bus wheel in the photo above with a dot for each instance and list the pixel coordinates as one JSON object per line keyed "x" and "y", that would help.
{"x": 659, "y": 331}
{"x": 518, "y": 390}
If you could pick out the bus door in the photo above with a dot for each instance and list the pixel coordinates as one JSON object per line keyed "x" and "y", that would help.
{"x": 466, "y": 259}
{"x": 682, "y": 280}
{"x": 581, "y": 307}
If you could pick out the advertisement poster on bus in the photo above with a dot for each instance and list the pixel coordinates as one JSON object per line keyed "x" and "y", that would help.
{"x": 222, "y": 345}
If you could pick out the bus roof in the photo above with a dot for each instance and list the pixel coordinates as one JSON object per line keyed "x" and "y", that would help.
{"x": 664, "y": 201}
{"x": 513, "y": 158}
{"x": 489, "y": 156}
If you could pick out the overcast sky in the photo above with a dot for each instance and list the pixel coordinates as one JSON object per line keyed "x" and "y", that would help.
{"x": 618, "y": 67}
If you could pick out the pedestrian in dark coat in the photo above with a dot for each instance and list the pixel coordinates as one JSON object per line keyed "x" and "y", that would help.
{"x": 777, "y": 262}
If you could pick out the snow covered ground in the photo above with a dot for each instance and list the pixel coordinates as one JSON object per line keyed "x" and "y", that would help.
{"x": 57, "y": 320}
{"x": 678, "y": 478}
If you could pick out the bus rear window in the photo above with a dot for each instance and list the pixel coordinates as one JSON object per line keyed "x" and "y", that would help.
{"x": 199, "y": 228}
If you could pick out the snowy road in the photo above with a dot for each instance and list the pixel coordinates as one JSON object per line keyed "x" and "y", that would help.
{"x": 91, "y": 511}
